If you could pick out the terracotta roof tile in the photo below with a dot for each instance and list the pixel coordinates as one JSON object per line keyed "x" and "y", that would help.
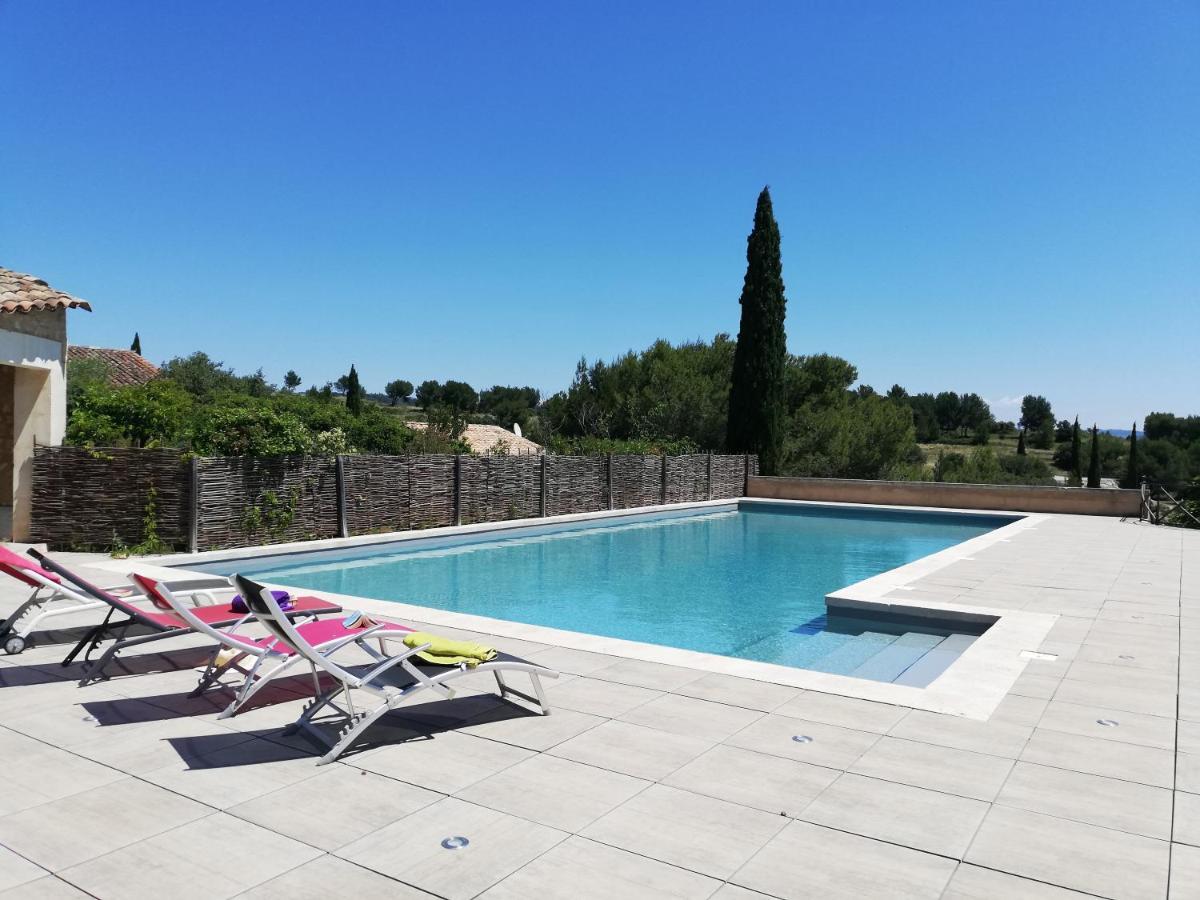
{"x": 124, "y": 366}
{"x": 21, "y": 293}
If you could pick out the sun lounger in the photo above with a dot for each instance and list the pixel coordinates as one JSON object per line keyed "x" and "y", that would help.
{"x": 270, "y": 656}
{"x": 388, "y": 680}
{"x": 159, "y": 623}
{"x": 51, "y": 598}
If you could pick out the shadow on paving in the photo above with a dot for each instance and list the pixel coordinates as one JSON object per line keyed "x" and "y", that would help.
{"x": 420, "y": 722}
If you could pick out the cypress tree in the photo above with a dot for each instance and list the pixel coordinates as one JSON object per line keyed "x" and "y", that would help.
{"x": 1132, "y": 475}
{"x": 136, "y": 346}
{"x": 1076, "y": 453}
{"x": 1094, "y": 461}
{"x": 1021, "y": 443}
{"x": 354, "y": 392}
{"x": 756, "y": 395}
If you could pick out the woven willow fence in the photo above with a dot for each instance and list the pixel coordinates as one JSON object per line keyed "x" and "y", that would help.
{"x": 100, "y": 498}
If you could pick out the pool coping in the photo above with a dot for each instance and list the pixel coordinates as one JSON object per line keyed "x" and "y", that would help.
{"x": 971, "y": 687}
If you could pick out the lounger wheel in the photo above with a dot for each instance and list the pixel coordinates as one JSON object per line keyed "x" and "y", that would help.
{"x": 14, "y": 644}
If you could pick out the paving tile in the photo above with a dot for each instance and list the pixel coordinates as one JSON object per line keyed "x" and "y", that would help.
{"x": 733, "y": 892}
{"x": 581, "y": 869}
{"x": 530, "y": 730}
{"x": 831, "y": 745}
{"x": 105, "y": 818}
{"x": 633, "y": 749}
{"x": 557, "y": 792}
{"x": 48, "y": 888}
{"x": 657, "y": 676}
{"x": 411, "y": 850}
{"x": 1070, "y": 854}
{"x": 806, "y": 860}
{"x": 183, "y": 862}
{"x": 16, "y": 870}
{"x": 446, "y": 762}
{"x": 1132, "y": 728}
{"x": 240, "y": 771}
{"x": 898, "y": 813}
{"x": 995, "y": 738}
{"x": 1108, "y": 802}
{"x": 973, "y": 883}
{"x": 770, "y": 783}
{"x": 701, "y": 834}
{"x": 1097, "y": 756}
{"x": 1187, "y": 773}
{"x": 1017, "y": 710}
{"x": 328, "y": 876}
{"x": 734, "y": 691}
{"x": 861, "y": 715}
{"x": 692, "y": 717}
{"x": 1031, "y": 684}
{"x": 599, "y": 698}
{"x": 46, "y": 773}
{"x": 1187, "y": 818}
{"x": 1123, "y": 697}
{"x": 1185, "y": 872}
{"x": 962, "y": 772}
{"x": 361, "y": 802}
{"x": 575, "y": 662}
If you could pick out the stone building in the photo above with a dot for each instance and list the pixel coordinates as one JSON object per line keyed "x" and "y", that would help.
{"x": 33, "y": 386}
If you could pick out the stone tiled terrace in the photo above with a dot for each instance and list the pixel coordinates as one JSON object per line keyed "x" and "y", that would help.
{"x": 649, "y": 780}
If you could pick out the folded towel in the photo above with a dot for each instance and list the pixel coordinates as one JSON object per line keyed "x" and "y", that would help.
{"x": 445, "y": 652}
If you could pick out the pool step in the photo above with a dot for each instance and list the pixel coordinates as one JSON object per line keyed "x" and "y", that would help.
{"x": 936, "y": 661}
{"x": 854, "y": 653}
{"x": 913, "y": 658}
{"x": 891, "y": 662}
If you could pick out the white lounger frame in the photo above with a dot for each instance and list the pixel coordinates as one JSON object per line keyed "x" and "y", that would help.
{"x": 266, "y": 608}
{"x": 268, "y": 663}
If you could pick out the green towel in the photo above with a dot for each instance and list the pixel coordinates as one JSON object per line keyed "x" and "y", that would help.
{"x": 445, "y": 652}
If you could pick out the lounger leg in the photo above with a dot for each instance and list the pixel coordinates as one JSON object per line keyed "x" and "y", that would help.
{"x": 253, "y": 684}
{"x": 93, "y": 638}
{"x": 350, "y": 732}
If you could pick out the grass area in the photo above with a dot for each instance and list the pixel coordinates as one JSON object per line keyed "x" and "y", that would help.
{"x": 998, "y": 444}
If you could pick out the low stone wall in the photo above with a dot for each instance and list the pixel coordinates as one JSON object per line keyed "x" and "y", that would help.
{"x": 1014, "y": 498}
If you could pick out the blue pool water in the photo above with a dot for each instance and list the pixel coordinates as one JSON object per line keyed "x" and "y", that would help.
{"x": 748, "y": 582}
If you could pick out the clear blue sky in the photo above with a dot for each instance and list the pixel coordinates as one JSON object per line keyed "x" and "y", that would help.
{"x": 990, "y": 197}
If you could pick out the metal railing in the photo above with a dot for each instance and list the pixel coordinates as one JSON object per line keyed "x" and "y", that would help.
{"x": 1162, "y": 507}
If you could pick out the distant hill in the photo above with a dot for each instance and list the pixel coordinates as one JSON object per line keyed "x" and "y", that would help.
{"x": 1118, "y": 432}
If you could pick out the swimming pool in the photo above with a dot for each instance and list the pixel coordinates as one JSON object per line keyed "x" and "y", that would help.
{"x": 746, "y": 582}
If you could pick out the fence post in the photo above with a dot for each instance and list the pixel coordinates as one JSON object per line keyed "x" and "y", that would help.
{"x": 746, "y": 476}
{"x": 343, "y": 528}
{"x": 194, "y": 510}
{"x": 457, "y": 488}
{"x": 664, "y": 479}
{"x": 708, "y": 492}
{"x": 543, "y": 499}
{"x": 608, "y": 478}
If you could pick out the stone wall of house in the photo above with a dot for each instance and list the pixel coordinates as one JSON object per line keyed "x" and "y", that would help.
{"x": 50, "y": 324}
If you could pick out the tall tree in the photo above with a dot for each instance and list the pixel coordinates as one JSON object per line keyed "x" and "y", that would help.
{"x": 1021, "y": 443}
{"x": 429, "y": 392}
{"x": 1094, "y": 462}
{"x": 291, "y": 380}
{"x": 136, "y": 346}
{"x": 354, "y": 392}
{"x": 398, "y": 390}
{"x": 1076, "y": 454}
{"x": 1133, "y": 472}
{"x": 1037, "y": 418}
{"x": 757, "y": 394}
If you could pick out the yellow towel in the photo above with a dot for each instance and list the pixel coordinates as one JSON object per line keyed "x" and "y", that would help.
{"x": 445, "y": 652}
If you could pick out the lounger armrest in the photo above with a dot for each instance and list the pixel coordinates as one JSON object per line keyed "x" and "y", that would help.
{"x": 357, "y": 635}
{"x": 392, "y": 661}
